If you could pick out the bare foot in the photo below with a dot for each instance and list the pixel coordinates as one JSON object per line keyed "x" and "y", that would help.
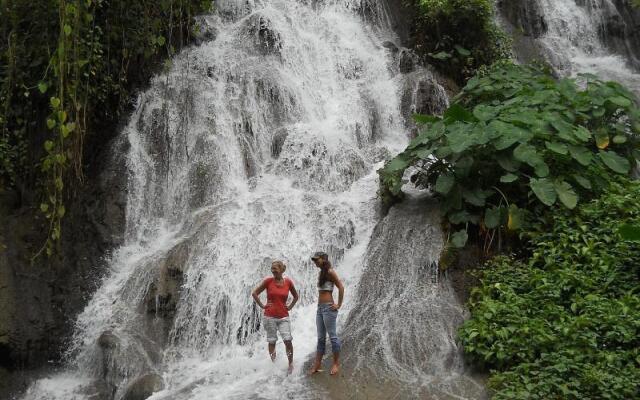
{"x": 273, "y": 356}
{"x": 335, "y": 368}
{"x": 290, "y": 369}
{"x": 315, "y": 369}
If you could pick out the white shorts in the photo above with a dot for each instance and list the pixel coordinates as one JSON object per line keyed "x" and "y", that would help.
{"x": 273, "y": 325}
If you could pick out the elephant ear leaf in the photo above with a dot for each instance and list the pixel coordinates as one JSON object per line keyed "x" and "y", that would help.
{"x": 566, "y": 194}
{"x": 544, "y": 190}
{"x": 459, "y": 239}
{"x": 615, "y": 162}
{"x": 444, "y": 183}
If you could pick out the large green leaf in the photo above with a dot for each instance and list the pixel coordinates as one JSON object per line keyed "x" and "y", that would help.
{"x": 400, "y": 163}
{"x": 582, "y": 181}
{"x": 582, "y": 134}
{"x": 420, "y": 140}
{"x": 457, "y": 113}
{"x": 544, "y": 190}
{"x": 427, "y": 134}
{"x": 460, "y": 137}
{"x": 492, "y": 217}
{"x": 508, "y": 134}
{"x": 484, "y": 112}
{"x": 528, "y": 154}
{"x": 444, "y": 183}
{"x": 508, "y": 178}
{"x": 615, "y": 162}
{"x": 461, "y": 217}
{"x": 507, "y": 162}
{"x": 557, "y": 147}
{"x": 620, "y": 101}
{"x": 541, "y": 170}
{"x": 516, "y": 218}
{"x": 443, "y": 151}
{"x": 564, "y": 128}
{"x": 581, "y": 154}
{"x": 566, "y": 194}
{"x": 421, "y": 152}
{"x": 619, "y": 139}
{"x": 475, "y": 196}
{"x": 459, "y": 239}
{"x": 425, "y": 119}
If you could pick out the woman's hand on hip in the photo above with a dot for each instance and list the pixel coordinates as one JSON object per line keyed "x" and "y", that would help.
{"x": 335, "y": 307}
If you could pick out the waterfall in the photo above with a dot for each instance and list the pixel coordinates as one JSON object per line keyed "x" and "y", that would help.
{"x": 575, "y": 36}
{"x": 260, "y": 143}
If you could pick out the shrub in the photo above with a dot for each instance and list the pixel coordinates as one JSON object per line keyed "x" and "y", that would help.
{"x": 516, "y": 139}
{"x": 459, "y": 36}
{"x": 564, "y": 323}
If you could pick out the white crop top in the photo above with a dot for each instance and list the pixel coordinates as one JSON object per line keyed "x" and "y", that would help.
{"x": 327, "y": 286}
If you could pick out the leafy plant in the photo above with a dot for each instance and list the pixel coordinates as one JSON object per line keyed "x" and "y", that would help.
{"x": 516, "y": 141}
{"x": 68, "y": 68}
{"x": 564, "y": 323}
{"x": 459, "y": 36}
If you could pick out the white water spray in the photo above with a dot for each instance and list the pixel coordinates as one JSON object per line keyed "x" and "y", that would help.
{"x": 260, "y": 145}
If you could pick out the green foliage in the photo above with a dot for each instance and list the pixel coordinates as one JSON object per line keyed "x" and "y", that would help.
{"x": 68, "y": 68}
{"x": 459, "y": 36}
{"x": 515, "y": 141}
{"x": 564, "y": 323}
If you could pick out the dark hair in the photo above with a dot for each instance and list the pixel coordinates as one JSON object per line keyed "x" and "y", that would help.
{"x": 324, "y": 272}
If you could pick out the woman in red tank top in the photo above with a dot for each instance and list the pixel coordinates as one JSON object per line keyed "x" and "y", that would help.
{"x": 276, "y": 311}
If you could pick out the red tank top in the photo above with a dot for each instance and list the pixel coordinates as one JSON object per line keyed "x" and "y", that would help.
{"x": 276, "y": 306}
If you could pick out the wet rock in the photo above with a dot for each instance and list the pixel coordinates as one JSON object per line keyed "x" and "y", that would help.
{"x": 164, "y": 293}
{"x": 390, "y": 46}
{"x": 277, "y": 142}
{"x": 108, "y": 341}
{"x": 205, "y": 30}
{"x": 40, "y": 298}
{"x": 265, "y": 38}
{"x": 352, "y": 69}
{"x": 620, "y": 30}
{"x": 143, "y": 387}
{"x": 401, "y": 286}
{"x": 422, "y": 94}
{"x": 234, "y": 9}
{"x": 525, "y": 16}
{"x": 407, "y": 61}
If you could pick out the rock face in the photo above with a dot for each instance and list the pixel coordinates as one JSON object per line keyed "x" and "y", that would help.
{"x": 525, "y": 15}
{"x": 402, "y": 328}
{"x": 621, "y": 31}
{"x": 144, "y": 387}
{"x": 618, "y": 28}
{"x": 39, "y": 299}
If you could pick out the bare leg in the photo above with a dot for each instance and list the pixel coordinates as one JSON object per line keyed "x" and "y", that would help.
{"x": 317, "y": 364}
{"x": 335, "y": 368}
{"x": 272, "y": 351}
{"x": 289, "y": 346}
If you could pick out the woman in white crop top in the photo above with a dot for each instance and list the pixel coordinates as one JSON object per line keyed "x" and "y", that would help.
{"x": 327, "y": 313}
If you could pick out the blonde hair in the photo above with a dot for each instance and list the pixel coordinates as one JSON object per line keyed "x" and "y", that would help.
{"x": 280, "y": 264}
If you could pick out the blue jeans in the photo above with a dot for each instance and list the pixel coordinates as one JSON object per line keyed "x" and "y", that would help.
{"x": 326, "y": 323}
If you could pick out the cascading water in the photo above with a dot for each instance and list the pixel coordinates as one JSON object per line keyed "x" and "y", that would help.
{"x": 572, "y": 35}
{"x": 261, "y": 144}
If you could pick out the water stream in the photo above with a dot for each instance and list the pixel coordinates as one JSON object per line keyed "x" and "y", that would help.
{"x": 575, "y": 37}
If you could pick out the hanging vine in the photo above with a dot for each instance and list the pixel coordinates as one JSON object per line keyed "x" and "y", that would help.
{"x": 68, "y": 70}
